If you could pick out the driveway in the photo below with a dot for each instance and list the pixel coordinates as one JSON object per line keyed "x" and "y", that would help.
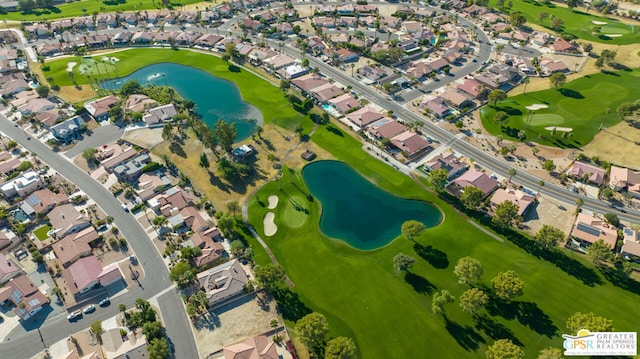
{"x": 99, "y": 136}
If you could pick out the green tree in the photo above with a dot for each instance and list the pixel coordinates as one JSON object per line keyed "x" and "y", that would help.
{"x": 311, "y": 330}
{"x": 89, "y": 154}
{"x": 606, "y": 193}
{"x": 285, "y": 84}
{"x": 226, "y": 134}
{"x": 589, "y": 321}
{"x": 340, "y": 348}
{"x": 270, "y": 276}
{"x": 599, "y": 252}
{"x": 556, "y": 24}
{"x": 158, "y": 347}
{"x": 496, "y": 96}
{"x": 512, "y": 172}
{"x": 230, "y": 50}
{"x": 473, "y": 300}
{"x": 96, "y": 328}
{"x": 131, "y": 87}
{"x": 43, "y": 91}
{"x": 204, "y": 160}
{"x": 500, "y": 117}
{"x": 182, "y": 274}
{"x": 505, "y": 213}
{"x": 548, "y": 236}
{"x": 558, "y": 79}
{"x": 551, "y": 353}
{"x": 587, "y": 47}
{"x": 468, "y": 270}
{"x": 153, "y": 330}
{"x": 549, "y": 165}
{"x": 403, "y": 262}
{"x": 612, "y": 219}
{"x": 225, "y": 224}
{"x": 167, "y": 132}
{"x": 439, "y": 300}
{"x": 472, "y": 197}
{"x": 542, "y": 16}
{"x": 517, "y": 19}
{"x": 438, "y": 179}
{"x": 507, "y": 285}
{"x": 122, "y": 308}
{"x": 237, "y": 248}
{"x": 412, "y": 228}
{"x": 572, "y": 4}
{"x": 504, "y": 349}
{"x": 233, "y": 207}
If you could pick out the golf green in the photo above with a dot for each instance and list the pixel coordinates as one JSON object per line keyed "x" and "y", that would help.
{"x": 294, "y": 215}
{"x": 359, "y": 212}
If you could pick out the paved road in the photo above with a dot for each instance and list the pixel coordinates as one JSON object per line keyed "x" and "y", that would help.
{"x": 100, "y": 136}
{"x": 156, "y": 275}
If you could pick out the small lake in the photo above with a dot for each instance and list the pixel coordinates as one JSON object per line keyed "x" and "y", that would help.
{"x": 216, "y": 98}
{"x": 359, "y": 212}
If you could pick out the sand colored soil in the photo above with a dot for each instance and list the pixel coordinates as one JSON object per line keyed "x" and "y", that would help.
{"x": 270, "y": 227}
{"x": 273, "y": 201}
{"x": 619, "y": 145}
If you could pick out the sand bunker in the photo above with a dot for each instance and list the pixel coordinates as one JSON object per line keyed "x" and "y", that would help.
{"x": 562, "y": 129}
{"x": 273, "y": 201}
{"x": 110, "y": 59}
{"x": 71, "y": 65}
{"x": 612, "y": 35}
{"x": 598, "y": 22}
{"x": 536, "y": 106}
{"x": 270, "y": 227}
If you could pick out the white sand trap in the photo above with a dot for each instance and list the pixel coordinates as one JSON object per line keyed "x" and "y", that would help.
{"x": 71, "y": 65}
{"x": 536, "y": 106}
{"x": 273, "y": 201}
{"x": 270, "y": 227}
{"x": 561, "y": 129}
{"x": 612, "y": 35}
{"x": 598, "y": 22}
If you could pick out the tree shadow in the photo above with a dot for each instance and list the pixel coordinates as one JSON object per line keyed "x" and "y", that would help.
{"x": 420, "y": 284}
{"x": 511, "y": 111}
{"x": 437, "y": 258}
{"x": 335, "y": 131}
{"x": 620, "y": 280}
{"x": 234, "y": 68}
{"x": 290, "y": 305}
{"x": 620, "y": 67}
{"x": 527, "y": 313}
{"x": 571, "y": 93}
{"x": 465, "y": 336}
{"x": 215, "y": 181}
{"x": 494, "y": 329}
{"x": 176, "y": 149}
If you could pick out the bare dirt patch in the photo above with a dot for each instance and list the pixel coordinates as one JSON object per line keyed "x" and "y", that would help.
{"x": 617, "y": 144}
{"x": 234, "y": 322}
{"x": 144, "y": 137}
{"x": 76, "y": 94}
{"x": 552, "y": 212}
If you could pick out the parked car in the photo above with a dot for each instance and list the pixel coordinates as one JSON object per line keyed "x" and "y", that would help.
{"x": 89, "y": 309}
{"x": 74, "y": 316}
{"x": 105, "y": 302}
{"x": 124, "y": 207}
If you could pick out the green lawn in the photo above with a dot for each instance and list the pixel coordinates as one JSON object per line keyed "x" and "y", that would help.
{"x": 260, "y": 93}
{"x": 76, "y": 9}
{"x": 579, "y": 23}
{"x": 580, "y": 105}
{"x": 41, "y": 233}
{"x": 389, "y": 314}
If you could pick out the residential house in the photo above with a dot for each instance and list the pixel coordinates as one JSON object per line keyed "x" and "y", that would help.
{"x": 13, "y": 86}
{"x": 411, "y": 26}
{"x": 149, "y": 184}
{"x": 437, "y": 64}
{"x": 8, "y": 269}
{"x": 122, "y": 38}
{"x": 631, "y": 244}
{"x": 210, "y": 250}
{"x": 99, "y": 109}
{"x": 325, "y": 92}
{"x": 324, "y": 21}
{"x": 87, "y": 274}
{"x": 131, "y": 346}
{"x": 23, "y": 97}
{"x": 364, "y": 116}
{"x": 259, "y": 347}
{"x": 10, "y": 166}
{"x": 223, "y": 282}
{"x": 48, "y": 118}
{"x": 448, "y": 162}
{"x": 308, "y": 82}
{"x": 457, "y": 98}
{"x": 66, "y": 219}
{"x": 580, "y": 171}
{"x": 174, "y": 198}
{"x": 113, "y": 155}
{"x": 471, "y": 87}
{"x": 138, "y": 103}
{"x": 142, "y": 38}
{"x": 208, "y": 40}
{"x": 625, "y": 179}
{"x": 187, "y": 38}
{"x": 25, "y": 296}
{"x": 42, "y": 201}
{"x": 23, "y": 185}
{"x": 132, "y": 169}
{"x": 561, "y": 45}
{"x": 160, "y": 114}
{"x": 411, "y": 144}
{"x": 345, "y": 103}
{"x": 419, "y": 70}
{"x": 588, "y": 229}
{"x": 67, "y": 130}
{"x": 293, "y": 71}
{"x": 129, "y": 18}
{"x": 68, "y": 251}
{"x": 475, "y": 178}
{"x": 193, "y": 219}
{"x": 280, "y": 61}
{"x": 521, "y": 199}
{"x": 436, "y": 106}
{"x": 372, "y": 73}
{"x": 36, "y": 106}
{"x": 385, "y": 128}
{"x": 345, "y": 55}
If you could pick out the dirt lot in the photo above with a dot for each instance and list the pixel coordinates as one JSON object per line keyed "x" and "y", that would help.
{"x": 84, "y": 347}
{"x": 144, "y": 137}
{"x": 551, "y": 212}
{"x": 618, "y": 145}
{"x": 233, "y": 323}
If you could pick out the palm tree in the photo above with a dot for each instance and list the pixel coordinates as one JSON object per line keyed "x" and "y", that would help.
{"x": 525, "y": 82}
{"x": 512, "y": 172}
{"x": 233, "y": 207}
{"x": 579, "y": 204}
{"x": 540, "y": 185}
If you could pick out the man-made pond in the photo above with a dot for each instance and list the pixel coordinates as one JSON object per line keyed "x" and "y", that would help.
{"x": 359, "y": 212}
{"x": 216, "y": 98}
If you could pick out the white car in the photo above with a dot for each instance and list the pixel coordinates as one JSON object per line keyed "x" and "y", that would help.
{"x": 75, "y": 315}
{"x": 89, "y": 309}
